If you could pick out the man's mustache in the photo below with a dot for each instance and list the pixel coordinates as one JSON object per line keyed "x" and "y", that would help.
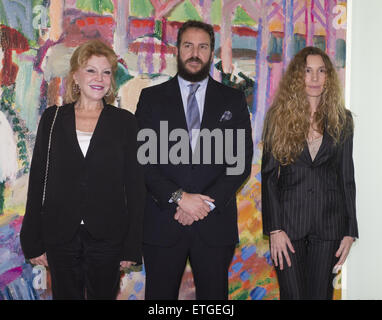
{"x": 194, "y": 59}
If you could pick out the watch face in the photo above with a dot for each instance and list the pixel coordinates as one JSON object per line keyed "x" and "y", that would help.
{"x": 177, "y": 195}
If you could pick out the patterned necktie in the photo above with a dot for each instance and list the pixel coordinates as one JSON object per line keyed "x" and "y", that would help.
{"x": 193, "y": 116}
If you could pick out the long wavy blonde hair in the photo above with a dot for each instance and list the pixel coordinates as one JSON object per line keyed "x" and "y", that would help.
{"x": 287, "y": 123}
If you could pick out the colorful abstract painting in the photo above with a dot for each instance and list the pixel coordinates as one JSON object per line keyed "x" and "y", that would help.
{"x": 255, "y": 40}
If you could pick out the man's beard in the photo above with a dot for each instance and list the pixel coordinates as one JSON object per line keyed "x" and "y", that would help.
{"x": 193, "y": 77}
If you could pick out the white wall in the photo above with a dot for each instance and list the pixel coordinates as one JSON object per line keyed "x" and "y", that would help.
{"x": 363, "y": 278}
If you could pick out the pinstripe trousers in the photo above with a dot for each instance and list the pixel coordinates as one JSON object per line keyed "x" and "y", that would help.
{"x": 310, "y": 276}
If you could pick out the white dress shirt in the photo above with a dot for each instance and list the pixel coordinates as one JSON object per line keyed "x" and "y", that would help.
{"x": 200, "y": 96}
{"x": 84, "y": 141}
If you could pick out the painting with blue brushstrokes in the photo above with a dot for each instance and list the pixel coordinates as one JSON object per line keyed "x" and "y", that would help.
{"x": 255, "y": 40}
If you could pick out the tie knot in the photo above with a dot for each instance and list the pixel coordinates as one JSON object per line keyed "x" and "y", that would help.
{"x": 193, "y": 87}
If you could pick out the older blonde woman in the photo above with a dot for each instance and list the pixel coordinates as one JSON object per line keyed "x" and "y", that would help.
{"x": 91, "y": 221}
{"x": 308, "y": 188}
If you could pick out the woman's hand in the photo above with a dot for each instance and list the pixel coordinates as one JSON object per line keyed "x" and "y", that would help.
{"x": 41, "y": 260}
{"x": 343, "y": 251}
{"x": 279, "y": 246}
{"x": 126, "y": 265}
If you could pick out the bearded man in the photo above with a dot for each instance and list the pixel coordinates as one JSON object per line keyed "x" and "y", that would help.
{"x": 191, "y": 210}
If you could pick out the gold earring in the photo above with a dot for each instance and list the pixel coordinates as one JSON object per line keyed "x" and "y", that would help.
{"x": 76, "y": 88}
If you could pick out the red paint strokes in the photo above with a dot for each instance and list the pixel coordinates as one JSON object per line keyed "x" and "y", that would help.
{"x": 244, "y": 31}
{"x": 16, "y": 224}
{"x": 87, "y": 27}
{"x": 108, "y": 20}
{"x": 80, "y": 23}
{"x": 146, "y": 23}
{"x": 90, "y": 20}
{"x": 217, "y": 28}
{"x": 101, "y": 21}
{"x": 137, "y": 47}
{"x": 10, "y": 39}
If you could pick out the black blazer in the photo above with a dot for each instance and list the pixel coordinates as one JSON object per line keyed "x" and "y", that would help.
{"x": 311, "y": 197}
{"x": 105, "y": 189}
{"x": 164, "y": 103}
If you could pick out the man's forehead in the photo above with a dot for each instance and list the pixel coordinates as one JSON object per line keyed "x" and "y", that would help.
{"x": 195, "y": 34}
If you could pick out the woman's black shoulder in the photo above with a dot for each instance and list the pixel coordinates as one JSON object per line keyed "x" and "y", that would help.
{"x": 349, "y": 125}
{"x": 48, "y": 114}
{"x": 124, "y": 114}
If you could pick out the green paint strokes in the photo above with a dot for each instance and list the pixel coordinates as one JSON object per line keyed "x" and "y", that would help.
{"x": 183, "y": 12}
{"x": 242, "y": 18}
{"x": 158, "y": 29}
{"x": 216, "y": 12}
{"x": 340, "y": 53}
{"x": 27, "y": 94}
{"x": 7, "y": 102}
{"x": 141, "y": 8}
{"x": 3, "y": 15}
{"x": 98, "y": 6}
{"x": 2, "y": 189}
{"x": 234, "y": 286}
{"x": 262, "y": 283}
{"x": 243, "y": 295}
{"x": 122, "y": 76}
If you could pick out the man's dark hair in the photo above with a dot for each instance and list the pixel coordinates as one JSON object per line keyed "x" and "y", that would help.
{"x": 199, "y": 25}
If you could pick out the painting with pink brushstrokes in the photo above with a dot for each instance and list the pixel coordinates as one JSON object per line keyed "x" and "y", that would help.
{"x": 255, "y": 40}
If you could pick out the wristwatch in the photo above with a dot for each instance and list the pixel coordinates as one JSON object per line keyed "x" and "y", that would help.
{"x": 176, "y": 196}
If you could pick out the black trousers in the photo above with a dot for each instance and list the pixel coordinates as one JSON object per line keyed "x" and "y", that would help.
{"x": 165, "y": 267}
{"x": 85, "y": 268}
{"x": 310, "y": 276}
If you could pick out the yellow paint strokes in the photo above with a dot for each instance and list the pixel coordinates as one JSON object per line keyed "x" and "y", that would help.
{"x": 56, "y": 10}
{"x": 276, "y": 26}
{"x": 246, "y": 209}
{"x": 15, "y": 194}
{"x": 130, "y": 92}
{"x": 300, "y": 27}
{"x": 7, "y": 217}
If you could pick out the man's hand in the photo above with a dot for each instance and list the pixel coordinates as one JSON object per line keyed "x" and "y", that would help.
{"x": 194, "y": 205}
{"x": 183, "y": 218}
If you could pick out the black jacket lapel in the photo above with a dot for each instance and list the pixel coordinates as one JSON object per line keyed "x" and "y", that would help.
{"x": 99, "y": 129}
{"x": 213, "y": 106}
{"x": 322, "y": 154}
{"x": 174, "y": 105}
{"x": 325, "y": 151}
{"x": 69, "y": 128}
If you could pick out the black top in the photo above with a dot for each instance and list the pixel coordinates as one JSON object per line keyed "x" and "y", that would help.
{"x": 105, "y": 188}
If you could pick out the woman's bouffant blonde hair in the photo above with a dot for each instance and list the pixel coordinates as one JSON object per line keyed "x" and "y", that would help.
{"x": 80, "y": 57}
{"x": 287, "y": 123}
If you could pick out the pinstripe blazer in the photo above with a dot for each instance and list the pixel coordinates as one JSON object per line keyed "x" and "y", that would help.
{"x": 311, "y": 197}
